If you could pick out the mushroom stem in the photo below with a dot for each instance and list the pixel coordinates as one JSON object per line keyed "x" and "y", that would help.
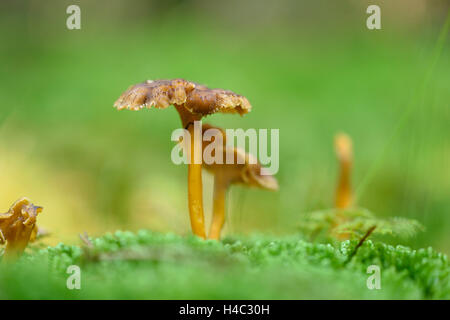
{"x": 344, "y": 154}
{"x": 218, "y": 220}
{"x": 195, "y": 188}
{"x": 344, "y": 197}
{"x": 344, "y": 191}
{"x": 14, "y": 250}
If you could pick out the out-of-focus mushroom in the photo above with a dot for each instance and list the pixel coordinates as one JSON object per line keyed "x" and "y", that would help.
{"x": 192, "y": 101}
{"x": 344, "y": 197}
{"x": 245, "y": 170}
{"x": 344, "y": 151}
{"x": 17, "y": 227}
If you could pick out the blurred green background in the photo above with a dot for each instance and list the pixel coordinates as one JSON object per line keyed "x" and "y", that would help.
{"x": 309, "y": 68}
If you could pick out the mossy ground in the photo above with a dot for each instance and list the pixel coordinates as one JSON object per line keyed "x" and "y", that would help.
{"x": 149, "y": 265}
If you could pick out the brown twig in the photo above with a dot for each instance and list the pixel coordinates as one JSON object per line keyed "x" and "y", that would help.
{"x": 360, "y": 243}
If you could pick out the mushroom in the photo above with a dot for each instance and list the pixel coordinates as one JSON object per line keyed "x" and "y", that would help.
{"x": 245, "y": 170}
{"x": 192, "y": 101}
{"x": 344, "y": 153}
{"x": 18, "y": 227}
{"x": 344, "y": 199}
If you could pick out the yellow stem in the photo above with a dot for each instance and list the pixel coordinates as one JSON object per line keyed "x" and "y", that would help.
{"x": 195, "y": 190}
{"x": 344, "y": 153}
{"x": 344, "y": 189}
{"x": 344, "y": 196}
{"x": 16, "y": 246}
{"x": 218, "y": 220}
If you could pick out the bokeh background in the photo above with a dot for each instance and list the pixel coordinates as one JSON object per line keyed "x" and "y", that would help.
{"x": 309, "y": 68}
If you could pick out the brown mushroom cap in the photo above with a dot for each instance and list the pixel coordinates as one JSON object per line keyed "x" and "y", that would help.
{"x": 244, "y": 170}
{"x": 197, "y": 99}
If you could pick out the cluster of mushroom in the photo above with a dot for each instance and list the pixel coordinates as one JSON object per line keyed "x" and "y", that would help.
{"x": 194, "y": 101}
{"x": 18, "y": 227}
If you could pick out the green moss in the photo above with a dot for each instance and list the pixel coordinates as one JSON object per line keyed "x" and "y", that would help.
{"x": 355, "y": 223}
{"x": 149, "y": 265}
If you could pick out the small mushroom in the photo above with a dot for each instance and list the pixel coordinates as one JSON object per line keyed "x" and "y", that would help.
{"x": 344, "y": 198}
{"x": 344, "y": 153}
{"x": 17, "y": 227}
{"x": 192, "y": 101}
{"x": 245, "y": 170}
